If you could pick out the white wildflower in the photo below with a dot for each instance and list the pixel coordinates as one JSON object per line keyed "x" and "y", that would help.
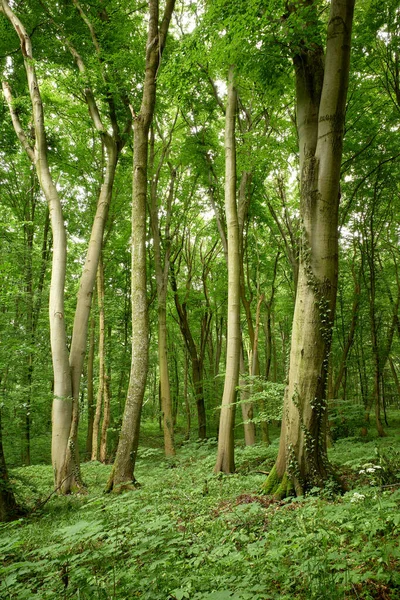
{"x": 357, "y": 497}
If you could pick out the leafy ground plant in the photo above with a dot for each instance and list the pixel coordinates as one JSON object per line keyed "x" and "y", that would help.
{"x": 188, "y": 534}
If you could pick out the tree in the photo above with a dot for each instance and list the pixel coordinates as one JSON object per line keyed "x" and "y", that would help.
{"x": 68, "y": 362}
{"x": 161, "y": 263}
{"x": 225, "y": 457}
{"x": 124, "y": 465}
{"x": 321, "y": 91}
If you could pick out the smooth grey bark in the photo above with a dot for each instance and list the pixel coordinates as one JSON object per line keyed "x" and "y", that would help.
{"x": 90, "y": 386}
{"x": 225, "y": 456}
{"x": 247, "y": 407}
{"x": 62, "y": 403}
{"x": 67, "y": 364}
{"x": 321, "y": 98}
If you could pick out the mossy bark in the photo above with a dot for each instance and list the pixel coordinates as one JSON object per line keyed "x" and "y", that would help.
{"x": 278, "y": 487}
{"x": 122, "y": 473}
{"x": 321, "y": 87}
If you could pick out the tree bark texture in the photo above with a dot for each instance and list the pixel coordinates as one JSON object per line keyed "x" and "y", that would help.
{"x": 225, "y": 457}
{"x": 124, "y": 465}
{"x": 247, "y": 407}
{"x": 321, "y": 97}
{"x": 90, "y": 387}
{"x": 196, "y": 357}
{"x": 67, "y": 365}
{"x": 162, "y": 270}
{"x": 62, "y": 402}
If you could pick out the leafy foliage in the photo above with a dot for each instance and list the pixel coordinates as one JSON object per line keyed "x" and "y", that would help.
{"x": 187, "y": 535}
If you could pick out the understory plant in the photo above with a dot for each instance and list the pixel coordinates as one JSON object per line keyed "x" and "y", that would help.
{"x": 188, "y": 534}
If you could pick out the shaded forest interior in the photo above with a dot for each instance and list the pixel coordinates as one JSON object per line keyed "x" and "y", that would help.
{"x": 199, "y": 299}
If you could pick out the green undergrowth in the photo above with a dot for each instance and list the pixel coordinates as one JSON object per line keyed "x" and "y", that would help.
{"x": 188, "y": 534}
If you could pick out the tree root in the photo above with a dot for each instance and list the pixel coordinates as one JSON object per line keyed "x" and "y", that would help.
{"x": 278, "y": 487}
{"x": 119, "y": 488}
{"x": 128, "y": 486}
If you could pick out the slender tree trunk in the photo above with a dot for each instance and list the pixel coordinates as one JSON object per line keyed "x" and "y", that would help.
{"x": 350, "y": 337}
{"x": 62, "y": 402}
{"x": 394, "y": 375}
{"x": 90, "y": 390}
{"x": 84, "y": 300}
{"x": 67, "y": 366}
{"x": 28, "y": 234}
{"x": 103, "y": 397}
{"x": 247, "y": 407}
{"x": 124, "y": 465}
{"x": 175, "y": 387}
{"x": 100, "y": 389}
{"x": 321, "y": 97}
{"x": 166, "y": 401}
{"x": 225, "y": 457}
{"x": 106, "y": 419}
{"x": 186, "y": 396}
{"x": 268, "y": 342}
{"x": 162, "y": 270}
{"x": 196, "y": 357}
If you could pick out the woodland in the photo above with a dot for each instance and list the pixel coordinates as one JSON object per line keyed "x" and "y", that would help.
{"x": 199, "y": 299}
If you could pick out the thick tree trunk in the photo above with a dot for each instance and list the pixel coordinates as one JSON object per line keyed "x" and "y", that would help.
{"x": 225, "y": 457}
{"x": 124, "y": 465}
{"x": 302, "y": 458}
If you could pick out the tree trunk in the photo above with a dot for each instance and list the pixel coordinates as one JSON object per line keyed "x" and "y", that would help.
{"x": 90, "y": 390}
{"x": 28, "y": 235}
{"x": 8, "y": 506}
{"x": 186, "y": 396}
{"x": 225, "y": 457}
{"x": 162, "y": 270}
{"x": 196, "y": 357}
{"x": 67, "y": 366}
{"x": 247, "y": 407}
{"x": 350, "y": 337}
{"x": 84, "y": 300}
{"x": 62, "y": 402}
{"x": 124, "y": 465}
{"x": 321, "y": 98}
{"x": 103, "y": 397}
{"x": 394, "y": 375}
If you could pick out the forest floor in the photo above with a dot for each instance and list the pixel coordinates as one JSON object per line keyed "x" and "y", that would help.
{"x": 189, "y": 534}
